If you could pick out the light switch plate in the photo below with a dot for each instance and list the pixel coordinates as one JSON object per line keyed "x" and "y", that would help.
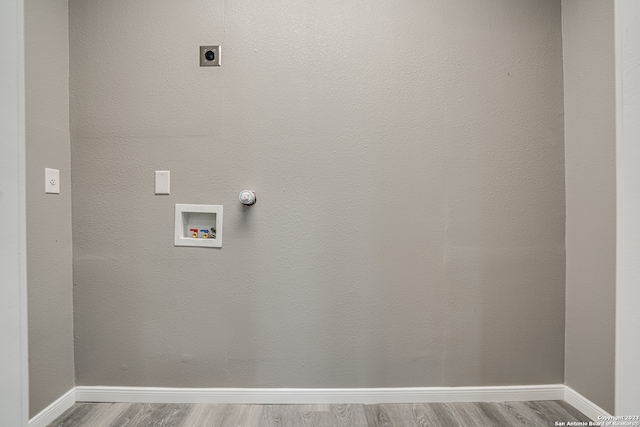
{"x": 51, "y": 181}
{"x": 163, "y": 182}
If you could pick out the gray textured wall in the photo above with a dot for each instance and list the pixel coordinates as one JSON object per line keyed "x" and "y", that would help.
{"x": 408, "y": 161}
{"x": 589, "y": 76}
{"x": 49, "y": 252}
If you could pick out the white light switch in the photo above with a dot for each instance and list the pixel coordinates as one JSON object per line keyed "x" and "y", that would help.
{"x": 51, "y": 181}
{"x": 163, "y": 180}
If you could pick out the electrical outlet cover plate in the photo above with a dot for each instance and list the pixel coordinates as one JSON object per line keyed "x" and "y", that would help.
{"x": 51, "y": 181}
{"x": 210, "y": 56}
{"x": 198, "y": 217}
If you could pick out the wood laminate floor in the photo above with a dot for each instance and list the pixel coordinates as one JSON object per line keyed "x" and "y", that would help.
{"x": 516, "y": 414}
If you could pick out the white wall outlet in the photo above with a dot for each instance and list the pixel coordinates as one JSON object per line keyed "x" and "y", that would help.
{"x": 51, "y": 181}
{"x": 163, "y": 181}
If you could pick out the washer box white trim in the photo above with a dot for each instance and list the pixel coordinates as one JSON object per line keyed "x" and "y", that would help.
{"x": 198, "y": 216}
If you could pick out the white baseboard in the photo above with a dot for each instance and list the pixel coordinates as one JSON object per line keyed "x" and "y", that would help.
{"x": 53, "y": 411}
{"x": 285, "y": 396}
{"x": 584, "y": 405}
{"x": 319, "y": 395}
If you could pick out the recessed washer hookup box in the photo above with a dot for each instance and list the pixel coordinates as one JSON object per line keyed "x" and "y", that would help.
{"x": 198, "y": 225}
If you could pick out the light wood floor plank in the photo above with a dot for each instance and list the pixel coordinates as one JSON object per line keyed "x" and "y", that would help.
{"x": 128, "y": 416}
{"x": 283, "y": 416}
{"x": 203, "y": 414}
{"x": 550, "y": 410}
{"x": 376, "y": 417}
{"x": 249, "y": 415}
{"x": 314, "y": 408}
{"x": 443, "y": 415}
{"x": 496, "y": 416}
{"x": 399, "y": 414}
{"x": 423, "y": 414}
{"x": 166, "y": 415}
{"x": 470, "y": 414}
{"x": 240, "y": 416}
{"x": 511, "y": 414}
{"x": 347, "y": 415}
{"x": 75, "y": 415}
{"x": 318, "y": 419}
{"x": 572, "y": 411}
{"x": 524, "y": 414}
{"x": 104, "y": 415}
